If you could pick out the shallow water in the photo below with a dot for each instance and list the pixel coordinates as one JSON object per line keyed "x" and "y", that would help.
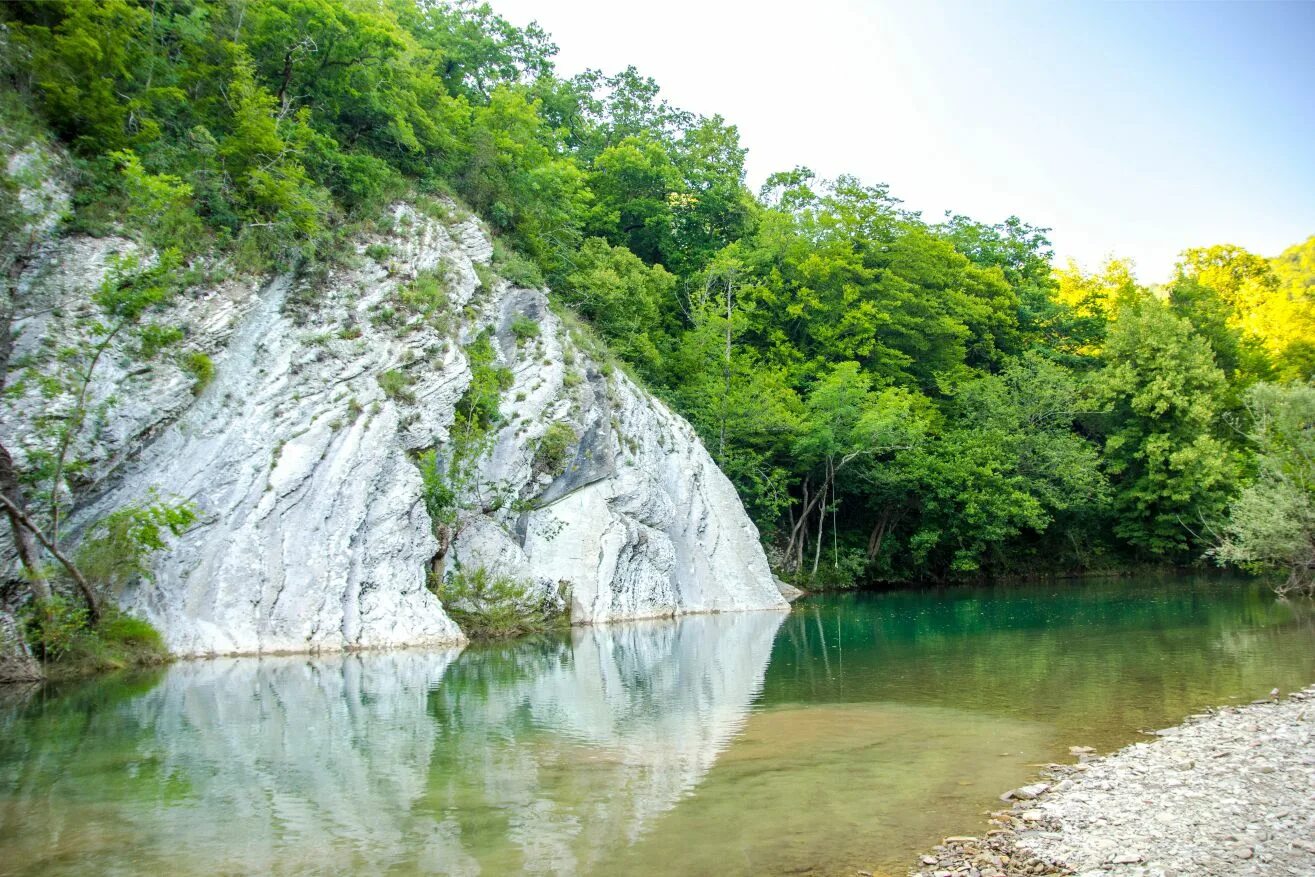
{"x": 851, "y": 733}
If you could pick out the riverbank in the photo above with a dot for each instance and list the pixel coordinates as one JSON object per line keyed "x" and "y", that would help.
{"x": 1231, "y": 791}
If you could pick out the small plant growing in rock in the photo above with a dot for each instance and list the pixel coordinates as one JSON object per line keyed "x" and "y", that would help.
{"x": 397, "y": 386}
{"x": 387, "y": 316}
{"x": 553, "y": 451}
{"x": 378, "y": 252}
{"x": 489, "y": 605}
{"x": 426, "y": 296}
{"x": 155, "y": 337}
{"x": 433, "y": 208}
{"x": 486, "y": 277}
{"x": 518, "y": 270}
{"x": 201, "y": 368}
{"x": 478, "y": 406}
{"x": 524, "y": 328}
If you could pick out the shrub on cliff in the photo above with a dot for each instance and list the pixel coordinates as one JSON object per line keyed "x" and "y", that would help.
{"x": 490, "y": 605}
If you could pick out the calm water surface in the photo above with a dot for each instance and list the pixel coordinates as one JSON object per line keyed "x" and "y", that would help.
{"x": 849, "y": 734}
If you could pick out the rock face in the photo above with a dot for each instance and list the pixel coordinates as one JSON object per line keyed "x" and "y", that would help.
{"x": 312, "y": 532}
{"x": 16, "y": 661}
{"x": 641, "y": 523}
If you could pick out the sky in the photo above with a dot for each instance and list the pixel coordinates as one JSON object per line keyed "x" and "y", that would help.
{"x": 1130, "y": 129}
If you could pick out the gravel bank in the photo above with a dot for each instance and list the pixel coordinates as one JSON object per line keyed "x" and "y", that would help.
{"x": 1228, "y": 793}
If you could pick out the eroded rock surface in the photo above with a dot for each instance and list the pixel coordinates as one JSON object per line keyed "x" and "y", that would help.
{"x": 312, "y": 532}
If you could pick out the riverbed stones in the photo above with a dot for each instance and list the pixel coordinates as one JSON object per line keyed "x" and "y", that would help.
{"x": 1229, "y": 792}
{"x": 1025, "y": 793}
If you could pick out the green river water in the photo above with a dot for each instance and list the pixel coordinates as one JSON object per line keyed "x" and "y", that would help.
{"x": 849, "y": 734}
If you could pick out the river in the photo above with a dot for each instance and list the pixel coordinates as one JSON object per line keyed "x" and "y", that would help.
{"x": 849, "y": 734}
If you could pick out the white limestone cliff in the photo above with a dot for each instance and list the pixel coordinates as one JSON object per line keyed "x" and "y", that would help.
{"x": 312, "y": 531}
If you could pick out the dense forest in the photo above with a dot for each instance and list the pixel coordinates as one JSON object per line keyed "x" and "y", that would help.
{"x": 896, "y": 398}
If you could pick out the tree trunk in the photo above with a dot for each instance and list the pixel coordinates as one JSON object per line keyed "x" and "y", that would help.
{"x": 821, "y": 525}
{"x": 799, "y": 531}
{"x": 88, "y": 593}
{"x": 726, "y": 372}
{"x": 27, "y": 551}
{"x": 794, "y": 532}
{"x": 878, "y": 534}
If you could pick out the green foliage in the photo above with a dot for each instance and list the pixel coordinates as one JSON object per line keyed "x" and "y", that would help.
{"x": 426, "y": 296}
{"x": 397, "y": 385}
{"x": 1008, "y": 464}
{"x": 54, "y": 627}
{"x": 116, "y": 549}
{"x": 477, "y": 409}
{"x": 489, "y": 605}
{"x": 124, "y": 631}
{"x": 133, "y": 287}
{"x": 515, "y": 268}
{"x": 155, "y": 338}
{"x": 450, "y": 486}
{"x": 486, "y": 277}
{"x": 516, "y": 177}
{"x": 552, "y": 452}
{"x": 1271, "y": 524}
{"x": 524, "y": 328}
{"x": 159, "y": 205}
{"x": 62, "y": 638}
{"x": 112, "y": 552}
{"x": 624, "y": 297}
{"x": 439, "y": 488}
{"x": 202, "y": 369}
{"x": 1162, "y": 394}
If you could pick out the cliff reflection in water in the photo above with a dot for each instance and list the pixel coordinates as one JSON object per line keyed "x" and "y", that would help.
{"x": 848, "y": 736}
{"x": 536, "y": 756}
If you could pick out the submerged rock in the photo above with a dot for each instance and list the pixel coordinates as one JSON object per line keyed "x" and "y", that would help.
{"x": 788, "y": 591}
{"x": 299, "y": 454}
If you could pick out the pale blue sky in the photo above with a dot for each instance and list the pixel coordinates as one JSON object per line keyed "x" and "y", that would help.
{"x": 1133, "y": 129}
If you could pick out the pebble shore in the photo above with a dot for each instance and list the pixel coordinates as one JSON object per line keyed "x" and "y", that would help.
{"x": 1228, "y": 793}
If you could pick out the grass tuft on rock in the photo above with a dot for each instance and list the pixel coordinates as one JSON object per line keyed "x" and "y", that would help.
{"x": 486, "y": 605}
